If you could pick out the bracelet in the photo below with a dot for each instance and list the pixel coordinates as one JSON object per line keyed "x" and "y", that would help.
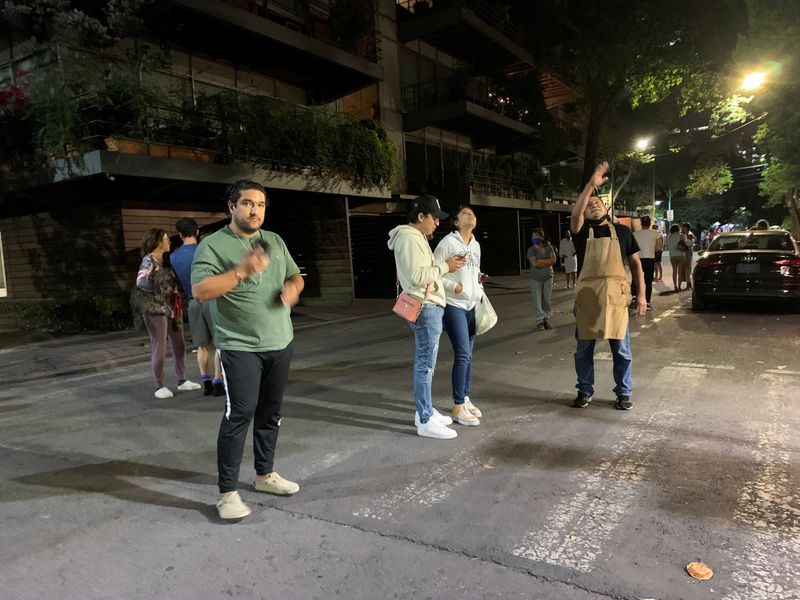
{"x": 239, "y": 276}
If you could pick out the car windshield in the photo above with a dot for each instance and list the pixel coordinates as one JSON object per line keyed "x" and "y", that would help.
{"x": 748, "y": 241}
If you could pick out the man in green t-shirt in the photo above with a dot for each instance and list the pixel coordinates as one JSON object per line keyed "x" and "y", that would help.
{"x": 255, "y": 282}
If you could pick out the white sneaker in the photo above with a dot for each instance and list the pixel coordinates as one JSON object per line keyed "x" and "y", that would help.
{"x": 472, "y": 408}
{"x": 434, "y": 429}
{"x": 188, "y": 386}
{"x": 230, "y": 506}
{"x": 164, "y": 393}
{"x": 443, "y": 419}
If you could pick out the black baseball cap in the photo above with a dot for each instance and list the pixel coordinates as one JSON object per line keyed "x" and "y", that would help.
{"x": 427, "y": 205}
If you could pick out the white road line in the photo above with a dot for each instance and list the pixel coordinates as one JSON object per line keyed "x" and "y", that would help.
{"x": 769, "y": 509}
{"x": 434, "y": 486}
{"x": 782, "y": 372}
{"x": 704, "y": 366}
{"x": 577, "y": 529}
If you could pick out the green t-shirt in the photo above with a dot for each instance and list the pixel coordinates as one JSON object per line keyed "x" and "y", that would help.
{"x": 251, "y": 316}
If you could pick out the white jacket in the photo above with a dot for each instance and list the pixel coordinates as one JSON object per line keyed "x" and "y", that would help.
{"x": 468, "y": 275}
{"x": 416, "y": 265}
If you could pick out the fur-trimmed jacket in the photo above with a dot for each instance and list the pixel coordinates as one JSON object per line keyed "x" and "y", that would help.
{"x": 154, "y": 290}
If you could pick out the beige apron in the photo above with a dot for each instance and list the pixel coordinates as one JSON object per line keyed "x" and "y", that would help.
{"x": 602, "y": 290}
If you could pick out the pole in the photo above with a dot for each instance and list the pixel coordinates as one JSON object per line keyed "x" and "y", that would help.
{"x": 653, "y": 205}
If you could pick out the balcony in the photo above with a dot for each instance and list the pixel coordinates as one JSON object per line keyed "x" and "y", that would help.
{"x": 476, "y": 32}
{"x": 295, "y": 41}
{"x": 468, "y": 107}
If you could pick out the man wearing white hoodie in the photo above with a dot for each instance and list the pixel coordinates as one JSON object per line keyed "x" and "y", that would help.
{"x": 420, "y": 275}
{"x": 463, "y": 291}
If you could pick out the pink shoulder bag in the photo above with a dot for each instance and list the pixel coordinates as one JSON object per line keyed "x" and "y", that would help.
{"x": 409, "y": 307}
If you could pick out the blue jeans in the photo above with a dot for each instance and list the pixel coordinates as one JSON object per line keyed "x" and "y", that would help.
{"x": 623, "y": 365}
{"x": 460, "y": 327}
{"x": 427, "y": 331}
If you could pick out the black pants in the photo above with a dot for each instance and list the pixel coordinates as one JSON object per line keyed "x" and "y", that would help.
{"x": 648, "y": 266}
{"x": 254, "y": 384}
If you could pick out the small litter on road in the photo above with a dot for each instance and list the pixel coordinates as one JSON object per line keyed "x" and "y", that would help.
{"x": 781, "y": 367}
{"x": 488, "y": 466}
{"x": 520, "y": 351}
{"x": 699, "y": 570}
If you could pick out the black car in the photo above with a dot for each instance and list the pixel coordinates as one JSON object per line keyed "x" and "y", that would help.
{"x": 748, "y": 264}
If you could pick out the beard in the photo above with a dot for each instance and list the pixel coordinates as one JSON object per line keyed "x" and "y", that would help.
{"x": 245, "y": 226}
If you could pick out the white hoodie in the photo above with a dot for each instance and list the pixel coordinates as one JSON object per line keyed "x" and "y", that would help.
{"x": 468, "y": 275}
{"x": 416, "y": 265}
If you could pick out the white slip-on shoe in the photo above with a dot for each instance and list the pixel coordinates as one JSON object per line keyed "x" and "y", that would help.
{"x": 472, "y": 408}
{"x": 189, "y": 386}
{"x": 434, "y": 429}
{"x": 164, "y": 393}
{"x": 230, "y": 507}
{"x": 443, "y": 419}
{"x": 275, "y": 484}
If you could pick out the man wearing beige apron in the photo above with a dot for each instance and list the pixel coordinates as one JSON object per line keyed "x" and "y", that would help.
{"x": 602, "y": 293}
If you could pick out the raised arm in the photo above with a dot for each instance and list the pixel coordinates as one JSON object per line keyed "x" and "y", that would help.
{"x": 597, "y": 179}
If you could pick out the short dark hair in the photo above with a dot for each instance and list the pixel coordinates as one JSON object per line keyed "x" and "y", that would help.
{"x": 675, "y": 228}
{"x": 152, "y": 239}
{"x": 234, "y": 191}
{"x": 687, "y": 225}
{"x": 645, "y": 222}
{"x": 186, "y": 227}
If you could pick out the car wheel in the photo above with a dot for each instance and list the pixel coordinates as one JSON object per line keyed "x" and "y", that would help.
{"x": 698, "y": 304}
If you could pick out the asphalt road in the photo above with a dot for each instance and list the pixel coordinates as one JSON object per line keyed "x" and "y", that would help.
{"x": 108, "y": 493}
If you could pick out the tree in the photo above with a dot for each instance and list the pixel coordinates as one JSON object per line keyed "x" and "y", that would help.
{"x": 647, "y": 52}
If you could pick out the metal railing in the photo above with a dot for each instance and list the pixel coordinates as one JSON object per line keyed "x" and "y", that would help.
{"x": 428, "y": 94}
{"x": 495, "y": 14}
{"x": 312, "y": 18}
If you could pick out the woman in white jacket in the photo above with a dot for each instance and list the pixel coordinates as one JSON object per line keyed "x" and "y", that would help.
{"x": 463, "y": 291}
{"x": 420, "y": 275}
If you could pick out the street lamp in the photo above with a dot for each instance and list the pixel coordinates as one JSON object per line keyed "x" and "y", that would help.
{"x": 643, "y": 144}
{"x": 754, "y": 80}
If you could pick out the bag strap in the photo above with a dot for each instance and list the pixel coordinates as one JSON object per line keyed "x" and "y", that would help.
{"x": 397, "y": 289}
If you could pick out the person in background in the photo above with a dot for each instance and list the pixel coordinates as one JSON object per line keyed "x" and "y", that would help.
{"x": 162, "y": 320}
{"x": 761, "y": 225}
{"x": 688, "y": 254}
{"x": 541, "y": 257}
{"x": 675, "y": 241}
{"x": 199, "y": 314}
{"x": 566, "y": 250}
{"x": 646, "y": 238}
{"x": 463, "y": 291}
{"x": 658, "y": 272}
{"x": 421, "y": 277}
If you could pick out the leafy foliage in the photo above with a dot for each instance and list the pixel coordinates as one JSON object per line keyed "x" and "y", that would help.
{"x": 712, "y": 180}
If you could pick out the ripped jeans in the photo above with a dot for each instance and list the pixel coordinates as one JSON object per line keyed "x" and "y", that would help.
{"x": 427, "y": 331}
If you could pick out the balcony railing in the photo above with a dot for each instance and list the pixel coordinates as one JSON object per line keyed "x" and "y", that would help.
{"x": 313, "y": 18}
{"x": 429, "y": 94}
{"x": 494, "y": 13}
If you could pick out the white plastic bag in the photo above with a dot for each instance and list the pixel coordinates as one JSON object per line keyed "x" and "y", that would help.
{"x": 485, "y": 317}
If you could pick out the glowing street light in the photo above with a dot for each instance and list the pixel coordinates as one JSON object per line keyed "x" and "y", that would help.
{"x": 642, "y": 144}
{"x": 754, "y": 80}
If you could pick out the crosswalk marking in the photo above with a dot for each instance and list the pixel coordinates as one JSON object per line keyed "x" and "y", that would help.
{"x": 578, "y": 528}
{"x": 769, "y": 508}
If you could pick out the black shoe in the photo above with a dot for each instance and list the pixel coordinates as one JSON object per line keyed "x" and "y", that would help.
{"x": 208, "y": 387}
{"x": 219, "y": 389}
{"x": 547, "y": 324}
{"x": 623, "y": 403}
{"x": 581, "y": 401}
{"x": 540, "y": 326}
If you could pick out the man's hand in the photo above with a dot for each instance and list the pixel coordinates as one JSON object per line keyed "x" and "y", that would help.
{"x": 459, "y": 288}
{"x": 455, "y": 262}
{"x": 290, "y": 295}
{"x": 254, "y": 261}
{"x": 641, "y": 305}
{"x": 599, "y": 175}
